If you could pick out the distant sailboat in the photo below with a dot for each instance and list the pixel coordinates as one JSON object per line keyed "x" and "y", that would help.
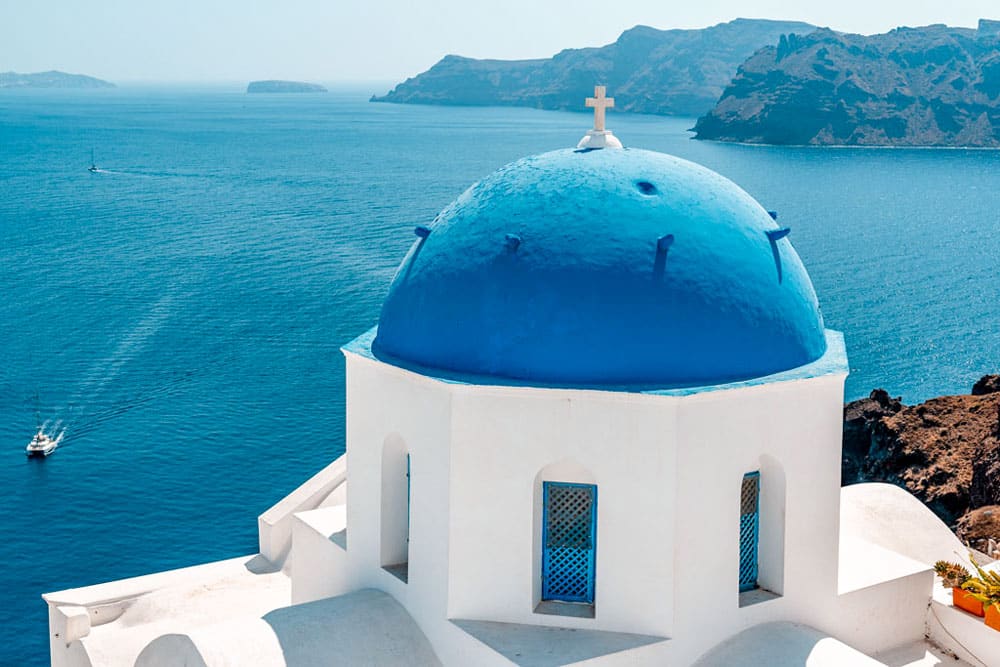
{"x": 93, "y": 165}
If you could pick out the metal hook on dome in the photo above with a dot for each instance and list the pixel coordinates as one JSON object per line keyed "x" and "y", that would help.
{"x": 773, "y": 236}
{"x": 512, "y": 242}
{"x": 663, "y": 245}
{"x": 778, "y": 234}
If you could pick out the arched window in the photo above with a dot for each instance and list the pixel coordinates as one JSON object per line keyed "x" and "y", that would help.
{"x": 762, "y": 533}
{"x": 394, "y": 544}
{"x": 564, "y": 553}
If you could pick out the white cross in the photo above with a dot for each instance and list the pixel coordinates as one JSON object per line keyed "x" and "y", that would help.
{"x": 600, "y": 104}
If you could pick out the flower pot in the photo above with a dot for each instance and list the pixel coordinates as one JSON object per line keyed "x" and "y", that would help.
{"x": 963, "y": 599}
{"x": 993, "y": 616}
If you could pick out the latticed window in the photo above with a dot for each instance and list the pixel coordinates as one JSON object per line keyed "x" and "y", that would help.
{"x": 569, "y": 541}
{"x": 749, "y": 530}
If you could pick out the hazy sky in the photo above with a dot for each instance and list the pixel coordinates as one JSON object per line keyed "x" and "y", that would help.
{"x": 338, "y": 40}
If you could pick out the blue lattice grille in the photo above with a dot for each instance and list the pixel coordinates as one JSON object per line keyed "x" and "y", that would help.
{"x": 570, "y": 540}
{"x": 749, "y": 530}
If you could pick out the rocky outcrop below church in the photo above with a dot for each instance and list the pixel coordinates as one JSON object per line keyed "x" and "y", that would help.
{"x": 946, "y": 451}
{"x": 53, "y": 79}
{"x": 679, "y": 72}
{"x": 273, "y": 86}
{"x": 931, "y": 86}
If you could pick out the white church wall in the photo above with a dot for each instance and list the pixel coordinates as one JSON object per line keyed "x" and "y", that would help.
{"x": 394, "y": 520}
{"x": 480, "y": 454}
{"x": 668, "y": 470}
{"x": 790, "y": 432}
{"x": 382, "y": 402}
{"x": 506, "y": 442}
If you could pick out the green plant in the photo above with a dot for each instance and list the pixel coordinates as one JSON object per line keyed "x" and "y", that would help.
{"x": 952, "y": 575}
{"x": 985, "y": 587}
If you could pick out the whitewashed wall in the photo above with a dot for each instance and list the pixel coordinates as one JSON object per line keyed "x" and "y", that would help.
{"x": 791, "y": 433}
{"x": 668, "y": 470}
{"x": 506, "y": 442}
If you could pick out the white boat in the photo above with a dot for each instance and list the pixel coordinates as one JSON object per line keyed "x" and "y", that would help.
{"x": 43, "y": 444}
{"x": 93, "y": 168}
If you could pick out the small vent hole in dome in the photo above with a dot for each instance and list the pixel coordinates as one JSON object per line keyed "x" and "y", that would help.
{"x": 646, "y": 188}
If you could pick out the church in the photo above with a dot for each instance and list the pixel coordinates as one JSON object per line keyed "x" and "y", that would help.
{"x": 598, "y": 422}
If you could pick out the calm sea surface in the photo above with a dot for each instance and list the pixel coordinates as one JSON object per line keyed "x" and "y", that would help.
{"x": 181, "y": 312}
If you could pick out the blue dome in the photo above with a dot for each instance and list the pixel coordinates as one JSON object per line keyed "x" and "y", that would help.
{"x": 602, "y": 268}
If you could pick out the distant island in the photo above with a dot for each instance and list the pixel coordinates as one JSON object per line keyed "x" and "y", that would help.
{"x": 681, "y": 72}
{"x": 273, "y": 86}
{"x": 931, "y": 86}
{"x": 52, "y": 79}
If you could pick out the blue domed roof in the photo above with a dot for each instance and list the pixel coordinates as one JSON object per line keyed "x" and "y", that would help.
{"x": 601, "y": 268}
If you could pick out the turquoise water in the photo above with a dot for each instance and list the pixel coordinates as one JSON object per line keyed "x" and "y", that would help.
{"x": 182, "y": 311}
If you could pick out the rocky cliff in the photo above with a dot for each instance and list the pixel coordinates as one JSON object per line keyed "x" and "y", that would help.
{"x": 946, "y": 451}
{"x": 647, "y": 70}
{"x": 53, "y": 79}
{"x": 931, "y": 86}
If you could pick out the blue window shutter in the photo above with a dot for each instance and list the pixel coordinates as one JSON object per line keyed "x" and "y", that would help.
{"x": 749, "y": 530}
{"x": 569, "y": 541}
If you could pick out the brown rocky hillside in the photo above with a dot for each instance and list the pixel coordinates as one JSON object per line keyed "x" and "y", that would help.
{"x": 946, "y": 451}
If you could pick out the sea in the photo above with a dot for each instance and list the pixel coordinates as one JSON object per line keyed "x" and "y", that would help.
{"x": 180, "y": 312}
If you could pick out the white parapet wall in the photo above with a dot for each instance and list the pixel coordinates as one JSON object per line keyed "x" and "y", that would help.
{"x": 319, "y": 567}
{"x": 108, "y": 624}
{"x": 886, "y": 517}
{"x": 275, "y": 525}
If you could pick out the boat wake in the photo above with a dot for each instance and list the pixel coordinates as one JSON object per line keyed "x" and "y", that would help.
{"x": 99, "y": 380}
{"x": 89, "y": 422}
{"x": 138, "y": 173}
{"x": 107, "y": 370}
